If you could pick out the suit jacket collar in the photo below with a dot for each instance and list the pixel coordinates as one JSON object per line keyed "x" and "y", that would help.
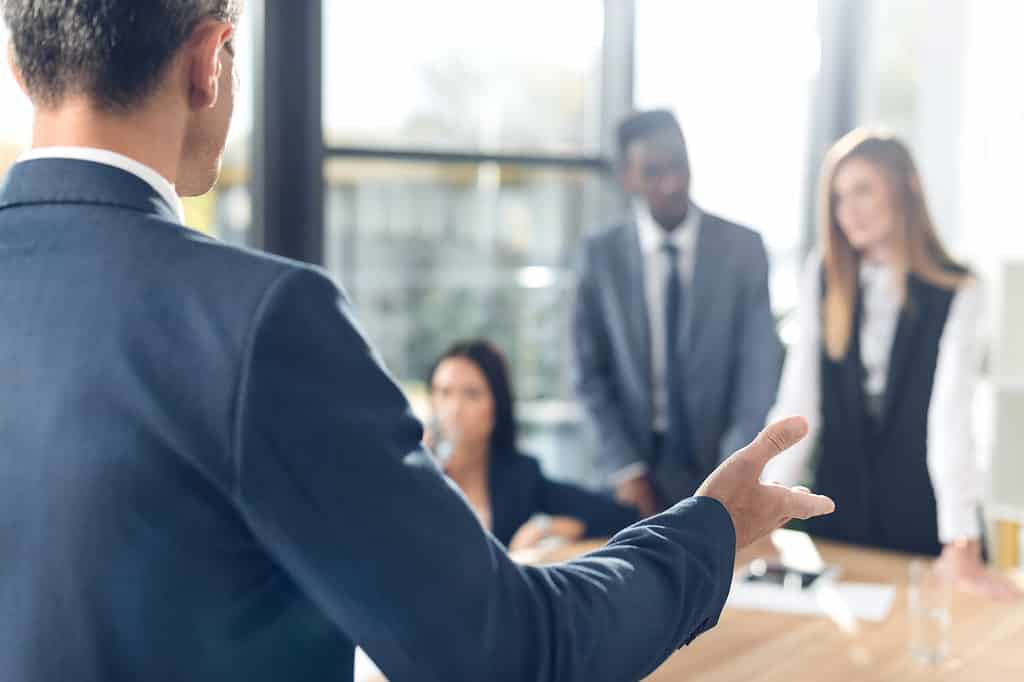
{"x": 109, "y": 157}
{"x": 711, "y": 252}
{"x": 72, "y": 181}
{"x": 627, "y": 262}
{"x": 652, "y": 237}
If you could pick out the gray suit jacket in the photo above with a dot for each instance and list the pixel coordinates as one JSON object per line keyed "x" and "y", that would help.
{"x": 731, "y": 355}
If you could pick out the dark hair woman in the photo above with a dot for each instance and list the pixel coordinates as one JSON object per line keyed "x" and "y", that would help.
{"x": 473, "y": 408}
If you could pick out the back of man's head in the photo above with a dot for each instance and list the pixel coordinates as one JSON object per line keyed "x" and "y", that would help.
{"x": 111, "y": 51}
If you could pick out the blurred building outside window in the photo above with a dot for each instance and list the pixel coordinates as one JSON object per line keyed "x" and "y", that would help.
{"x": 435, "y": 249}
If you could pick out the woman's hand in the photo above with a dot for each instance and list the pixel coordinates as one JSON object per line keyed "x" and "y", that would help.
{"x": 961, "y": 561}
{"x": 542, "y": 528}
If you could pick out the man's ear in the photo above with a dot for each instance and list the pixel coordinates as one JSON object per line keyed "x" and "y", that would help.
{"x": 203, "y": 53}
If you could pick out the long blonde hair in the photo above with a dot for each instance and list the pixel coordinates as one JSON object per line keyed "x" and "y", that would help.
{"x": 918, "y": 248}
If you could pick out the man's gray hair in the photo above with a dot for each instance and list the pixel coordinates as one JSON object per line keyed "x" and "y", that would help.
{"x": 113, "y": 51}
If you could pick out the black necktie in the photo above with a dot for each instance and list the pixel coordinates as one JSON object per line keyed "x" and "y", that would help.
{"x": 673, "y": 303}
{"x": 678, "y": 426}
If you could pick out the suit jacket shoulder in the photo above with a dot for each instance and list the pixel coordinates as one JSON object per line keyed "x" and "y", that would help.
{"x": 609, "y": 239}
{"x": 737, "y": 235}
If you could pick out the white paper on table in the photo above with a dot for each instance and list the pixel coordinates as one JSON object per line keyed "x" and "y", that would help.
{"x": 838, "y": 600}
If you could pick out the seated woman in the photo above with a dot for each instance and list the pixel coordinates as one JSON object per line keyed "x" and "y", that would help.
{"x": 472, "y": 404}
{"x": 884, "y": 366}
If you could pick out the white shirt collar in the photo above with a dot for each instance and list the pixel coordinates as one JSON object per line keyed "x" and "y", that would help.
{"x": 158, "y": 182}
{"x": 877, "y": 276}
{"x": 653, "y": 236}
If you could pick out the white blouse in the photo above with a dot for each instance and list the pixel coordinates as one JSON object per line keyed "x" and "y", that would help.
{"x": 952, "y": 466}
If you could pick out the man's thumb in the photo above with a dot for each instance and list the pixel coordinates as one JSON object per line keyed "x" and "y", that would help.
{"x": 775, "y": 438}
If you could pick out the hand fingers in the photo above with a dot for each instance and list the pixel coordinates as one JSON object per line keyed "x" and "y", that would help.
{"x": 802, "y": 504}
{"x": 774, "y": 439}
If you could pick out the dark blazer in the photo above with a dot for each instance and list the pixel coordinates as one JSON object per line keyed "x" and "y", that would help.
{"x": 877, "y": 469}
{"x": 205, "y": 474}
{"x": 519, "y": 490}
{"x": 730, "y": 353}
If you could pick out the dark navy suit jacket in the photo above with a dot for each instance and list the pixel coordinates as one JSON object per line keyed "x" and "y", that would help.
{"x": 519, "y": 490}
{"x": 205, "y": 474}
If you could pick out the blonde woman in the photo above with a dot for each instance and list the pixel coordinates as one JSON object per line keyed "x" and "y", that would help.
{"x": 884, "y": 367}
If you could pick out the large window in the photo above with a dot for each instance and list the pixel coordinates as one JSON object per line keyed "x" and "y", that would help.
{"x": 463, "y": 145}
{"x": 740, "y": 76}
{"x": 914, "y": 84}
{"x": 434, "y": 252}
{"x": 463, "y": 75}
{"x": 894, "y": 63}
{"x": 992, "y": 139}
{"x": 464, "y": 163}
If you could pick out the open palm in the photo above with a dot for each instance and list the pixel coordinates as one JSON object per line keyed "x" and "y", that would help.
{"x": 758, "y": 508}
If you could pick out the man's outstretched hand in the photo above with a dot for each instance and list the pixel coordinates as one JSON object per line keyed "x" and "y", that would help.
{"x": 758, "y": 508}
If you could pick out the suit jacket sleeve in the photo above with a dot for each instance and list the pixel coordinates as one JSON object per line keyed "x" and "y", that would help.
{"x": 592, "y": 371}
{"x": 601, "y": 515}
{"x": 758, "y": 362}
{"x": 332, "y": 481}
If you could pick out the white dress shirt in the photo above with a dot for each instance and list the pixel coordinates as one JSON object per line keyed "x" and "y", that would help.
{"x": 652, "y": 237}
{"x": 159, "y": 183}
{"x": 952, "y": 466}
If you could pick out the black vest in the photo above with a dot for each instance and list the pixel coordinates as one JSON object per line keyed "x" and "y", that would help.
{"x": 876, "y": 469}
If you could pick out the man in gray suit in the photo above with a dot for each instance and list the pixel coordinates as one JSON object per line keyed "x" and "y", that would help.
{"x": 677, "y": 358}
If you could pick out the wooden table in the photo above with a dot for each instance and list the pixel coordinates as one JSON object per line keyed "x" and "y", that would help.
{"x": 987, "y": 638}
